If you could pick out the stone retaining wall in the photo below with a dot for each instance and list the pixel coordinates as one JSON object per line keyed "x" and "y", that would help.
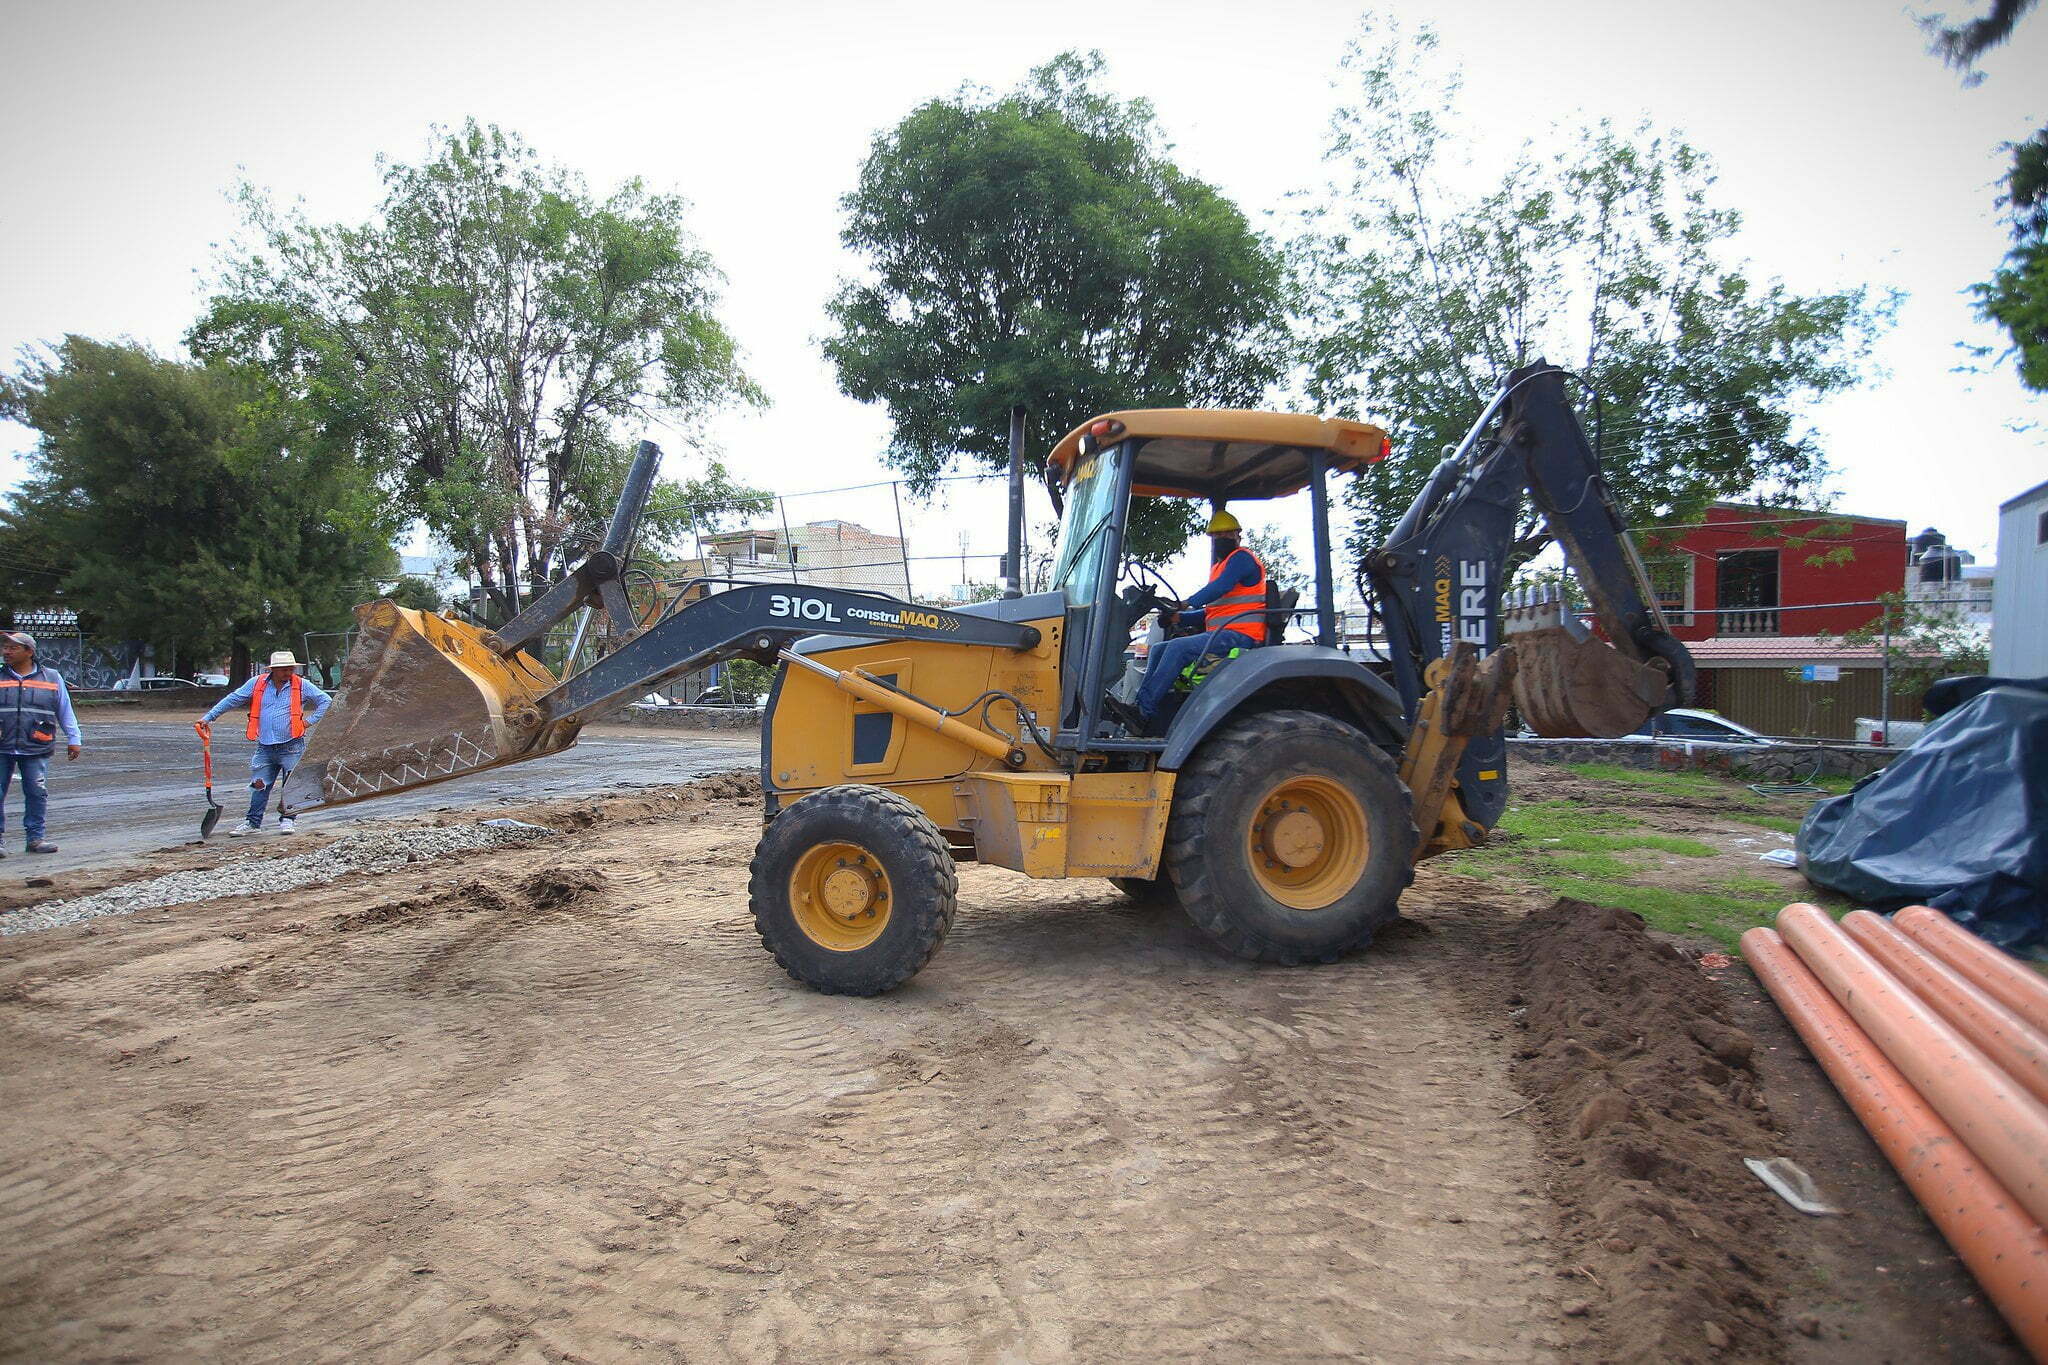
{"x": 688, "y": 717}
{"x": 1757, "y": 762}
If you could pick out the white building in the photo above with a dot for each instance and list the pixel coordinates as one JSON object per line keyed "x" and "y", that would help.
{"x": 2019, "y": 633}
{"x": 832, "y": 554}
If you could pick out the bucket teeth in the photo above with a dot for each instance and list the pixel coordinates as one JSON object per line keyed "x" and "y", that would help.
{"x": 422, "y": 699}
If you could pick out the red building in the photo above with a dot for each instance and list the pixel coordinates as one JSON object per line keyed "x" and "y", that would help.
{"x": 1755, "y": 571}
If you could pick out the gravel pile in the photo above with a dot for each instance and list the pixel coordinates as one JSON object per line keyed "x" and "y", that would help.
{"x": 371, "y": 851}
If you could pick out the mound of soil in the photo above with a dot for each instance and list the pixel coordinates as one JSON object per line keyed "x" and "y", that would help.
{"x": 562, "y": 888}
{"x": 1650, "y": 1101}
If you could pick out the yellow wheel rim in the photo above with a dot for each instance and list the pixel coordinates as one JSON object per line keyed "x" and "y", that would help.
{"x": 840, "y": 896}
{"x": 1307, "y": 842}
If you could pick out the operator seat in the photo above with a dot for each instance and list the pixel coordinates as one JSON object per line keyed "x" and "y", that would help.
{"x": 1279, "y": 611}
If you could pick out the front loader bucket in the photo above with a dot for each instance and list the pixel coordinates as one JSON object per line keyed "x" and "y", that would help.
{"x": 1573, "y": 685}
{"x": 422, "y": 699}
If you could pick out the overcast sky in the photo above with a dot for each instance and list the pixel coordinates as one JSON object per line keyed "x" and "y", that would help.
{"x": 1853, "y": 155}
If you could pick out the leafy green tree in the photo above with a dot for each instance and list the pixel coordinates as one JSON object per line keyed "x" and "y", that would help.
{"x": 416, "y": 593}
{"x": 485, "y": 342}
{"x": 1605, "y": 254}
{"x": 188, "y": 504}
{"x": 2016, "y": 296}
{"x": 1276, "y": 552}
{"x": 1040, "y": 249}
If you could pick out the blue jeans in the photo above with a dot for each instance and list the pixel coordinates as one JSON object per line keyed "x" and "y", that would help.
{"x": 267, "y": 767}
{"x": 35, "y": 792}
{"x": 1169, "y": 657}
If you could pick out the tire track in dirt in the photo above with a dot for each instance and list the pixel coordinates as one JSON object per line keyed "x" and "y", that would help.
{"x": 438, "y": 1124}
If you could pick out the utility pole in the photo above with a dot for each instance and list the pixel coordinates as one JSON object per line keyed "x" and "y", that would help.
{"x": 1013, "y": 565}
{"x": 1884, "y": 705}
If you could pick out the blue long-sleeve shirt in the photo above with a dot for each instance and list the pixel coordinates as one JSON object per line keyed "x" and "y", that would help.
{"x": 1241, "y": 570}
{"x": 65, "y": 716}
{"x": 275, "y": 725}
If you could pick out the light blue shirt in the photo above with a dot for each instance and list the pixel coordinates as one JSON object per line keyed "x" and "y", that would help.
{"x": 276, "y": 722}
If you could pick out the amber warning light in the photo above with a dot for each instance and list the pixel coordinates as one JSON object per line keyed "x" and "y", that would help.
{"x": 1386, "y": 449}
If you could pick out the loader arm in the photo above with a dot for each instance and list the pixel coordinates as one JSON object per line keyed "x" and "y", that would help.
{"x": 427, "y": 699}
{"x": 1438, "y": 582}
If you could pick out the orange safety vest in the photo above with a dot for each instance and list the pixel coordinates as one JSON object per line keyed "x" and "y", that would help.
{"x": 1238, "y": 602}
{"x": 256, "y": 706}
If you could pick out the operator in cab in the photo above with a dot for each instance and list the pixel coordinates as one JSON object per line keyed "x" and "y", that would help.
{"x": 1229, "y": 611}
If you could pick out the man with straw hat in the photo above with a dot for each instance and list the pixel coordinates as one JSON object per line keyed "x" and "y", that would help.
{"x": 283, "y": 706}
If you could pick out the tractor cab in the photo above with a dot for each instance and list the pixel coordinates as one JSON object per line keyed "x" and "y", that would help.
{"x": 1219, "y": 457}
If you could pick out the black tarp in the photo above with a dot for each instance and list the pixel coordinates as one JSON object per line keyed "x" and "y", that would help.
{"x": 1959, "y": 822}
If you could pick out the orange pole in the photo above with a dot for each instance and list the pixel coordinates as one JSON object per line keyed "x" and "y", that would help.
{"x": 2017, "y": 1049}
{"x": 2017, "y": 987}
{"x": 2003, "y": 1247}
{"x": 2004, "y": 1126}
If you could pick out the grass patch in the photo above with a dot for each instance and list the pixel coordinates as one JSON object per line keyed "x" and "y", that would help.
{"x": 1719, "y": 789}
{"x": 1720, "y": 917}
{"x": 1588, "y": 865}
{"x": 1749, "y": 886}
{"x": 1570, "y": 828}
{"x": 1566, "y": 849}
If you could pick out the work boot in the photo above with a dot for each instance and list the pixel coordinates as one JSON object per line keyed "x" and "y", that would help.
{"x": 1126, "y": 715}
{"x": 285, "y": 824}
{"x": 246, "y": 827}
{"x": 42, "y": 846}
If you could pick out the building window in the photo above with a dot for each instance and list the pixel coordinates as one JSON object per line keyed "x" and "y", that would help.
{"x": 1671, "y": 584}
{"x": 2041, "y": 530}
{"x": 1746, "y": 592}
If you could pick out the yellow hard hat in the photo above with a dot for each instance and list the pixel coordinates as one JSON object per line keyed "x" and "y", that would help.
{"x": 1223, "y": 524}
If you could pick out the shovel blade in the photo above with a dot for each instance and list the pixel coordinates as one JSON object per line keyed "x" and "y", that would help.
{"x": 212, "y": 816}
{"x": 423, "y": 699}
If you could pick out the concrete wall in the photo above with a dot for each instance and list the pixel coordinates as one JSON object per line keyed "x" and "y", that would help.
{"x": 688, "y": 717}
{"x": 1755, "y": 762}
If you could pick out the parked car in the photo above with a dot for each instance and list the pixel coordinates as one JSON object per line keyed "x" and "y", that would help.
{"x": 151, "y": 684}
{"x": 210, "y": 679}
{"x": 1686, "y": 723}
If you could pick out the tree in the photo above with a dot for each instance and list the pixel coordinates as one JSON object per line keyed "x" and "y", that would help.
{"x": 1276, "y": 552}
{"x": 188, "y": 504}
{"x": 484, "y": 340}
{"x": 417, "y": 593}
{"x": 1606, "y": 254}
{"x": 2016, "y": 295}
{"x": 1041, "y": 250}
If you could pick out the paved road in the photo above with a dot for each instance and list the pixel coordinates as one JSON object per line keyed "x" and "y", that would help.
{"x": 138, "y": 788}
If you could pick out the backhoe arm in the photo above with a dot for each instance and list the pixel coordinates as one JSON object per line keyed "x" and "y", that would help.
{"x": 1438, "y": 582}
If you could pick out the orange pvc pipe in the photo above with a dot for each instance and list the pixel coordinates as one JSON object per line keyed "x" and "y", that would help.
{"x": 2004, "y": 1126}
{"x": 2016, "y": 1048}
{"x": 2011, "y": 983}
{"x": 2003, "y": 1247}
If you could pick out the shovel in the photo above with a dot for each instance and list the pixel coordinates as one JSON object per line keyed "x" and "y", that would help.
{"x": 213, "y": 807}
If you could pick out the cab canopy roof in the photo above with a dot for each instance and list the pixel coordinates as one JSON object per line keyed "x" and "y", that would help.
{"x": 1220, "y": 454}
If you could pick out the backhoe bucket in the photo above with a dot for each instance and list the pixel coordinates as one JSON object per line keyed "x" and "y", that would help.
{"x": 422, "y": 699}
{"x": 1572, "y": 684}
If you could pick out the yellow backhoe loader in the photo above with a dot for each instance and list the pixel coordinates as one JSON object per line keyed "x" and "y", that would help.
{"x": 1284, "y": 806}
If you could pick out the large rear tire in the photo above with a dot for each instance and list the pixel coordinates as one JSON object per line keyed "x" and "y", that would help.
{"x": 853, "y": 890}
{"x": 1291, "y": 838}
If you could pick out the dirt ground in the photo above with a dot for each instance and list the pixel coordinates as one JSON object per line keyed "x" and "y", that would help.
{"x": 555, "y": 1103}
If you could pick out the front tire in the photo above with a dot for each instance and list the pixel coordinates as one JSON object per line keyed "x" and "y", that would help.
{"x": 1291, "y": 838}
{"x": 853, "y": 890}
